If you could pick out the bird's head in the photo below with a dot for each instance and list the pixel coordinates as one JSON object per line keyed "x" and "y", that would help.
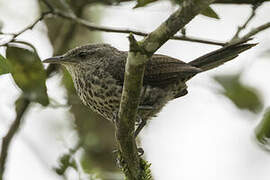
{"x": 87, "y": 54}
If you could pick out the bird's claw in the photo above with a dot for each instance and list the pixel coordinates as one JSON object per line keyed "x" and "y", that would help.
{"x": 140, "y": 151}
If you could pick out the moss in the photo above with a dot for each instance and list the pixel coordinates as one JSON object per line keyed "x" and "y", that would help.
{"x": 144, "y": 165}
{"x": 146, "y": 172}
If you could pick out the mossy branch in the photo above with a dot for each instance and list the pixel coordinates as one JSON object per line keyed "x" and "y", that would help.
{"x": 138, "y": 55}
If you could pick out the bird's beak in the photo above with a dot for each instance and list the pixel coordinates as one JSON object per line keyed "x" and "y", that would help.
{"x": 54, "y": 60}
{"x": 60, "y": 60}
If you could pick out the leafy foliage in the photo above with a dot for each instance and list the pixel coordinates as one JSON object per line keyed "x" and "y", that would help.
{"x": 28, "y": 73}
{"x": 4, "y": 65}
{"x": 209, "y": 12}
{"x": 263, "y": 129}
{"x": 65, "y": 162}
{"x": 243, "y": 96}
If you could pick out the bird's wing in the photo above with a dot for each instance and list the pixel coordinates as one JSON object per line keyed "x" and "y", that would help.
{"x": 160, "y": 70}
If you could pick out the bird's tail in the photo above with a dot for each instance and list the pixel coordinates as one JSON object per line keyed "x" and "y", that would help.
{"x": 220, "y": 56}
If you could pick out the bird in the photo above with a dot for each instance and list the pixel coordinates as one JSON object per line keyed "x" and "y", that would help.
{"x": 97, "y": 71}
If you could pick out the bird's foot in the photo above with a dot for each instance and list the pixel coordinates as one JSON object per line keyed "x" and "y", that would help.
{"x": 140, "y": 151}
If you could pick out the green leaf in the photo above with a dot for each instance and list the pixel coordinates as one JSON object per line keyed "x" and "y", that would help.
{"x": 263, "y": 129}
{"x": 4, "y": 65}
{"x": 29, "y": 74}
{"x": 209, "y": 12}
{"x": 243, "y": 96}
{"x": 141, "y": 3}
{"x": 64, "y": 164}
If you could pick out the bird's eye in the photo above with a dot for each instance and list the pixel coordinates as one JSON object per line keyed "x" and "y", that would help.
{"x": 82, "y": 54}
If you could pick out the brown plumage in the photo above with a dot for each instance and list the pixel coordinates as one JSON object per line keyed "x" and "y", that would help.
{"x": 98, "y": 74}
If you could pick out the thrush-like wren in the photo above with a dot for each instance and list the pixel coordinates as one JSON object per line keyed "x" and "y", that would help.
{"x": 98, "y": 71}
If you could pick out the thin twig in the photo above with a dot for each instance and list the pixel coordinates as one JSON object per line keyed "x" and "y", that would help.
{"x": 94, "y": 27}
{"x": 31, "y": 26}
{"x": 42, "y": 16}
{"x": 11, "y": 132}
{"x": 251, "y": 33}
{"x": 256, "y": 30}
{"x": 252, "y": 15}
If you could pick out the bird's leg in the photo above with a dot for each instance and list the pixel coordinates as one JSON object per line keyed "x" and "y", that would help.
{"x": 115, "y": 119}
{"x": 145, "y": 107}
{"x": 117, "y": 152}
{"x": 142, "y": 123}
{"x": 143, "y": 95}
{"x": 137, "y": 131}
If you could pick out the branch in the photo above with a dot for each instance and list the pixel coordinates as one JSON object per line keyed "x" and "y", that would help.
{"x": 42, "y": 16}
{"x": 93, "y": 27}
{"x": 173, "y": 24}
{"x": 22, "y": 103}
{"x": 252, "y": 15}
{"x": 138, "y": 55}
{"x": 20, "y": 109}
{"x": 256, "y": 30}
{"x": 251, "y": 33}
{"x": 31, "y": 26}
{"x": 237, "y": 39}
